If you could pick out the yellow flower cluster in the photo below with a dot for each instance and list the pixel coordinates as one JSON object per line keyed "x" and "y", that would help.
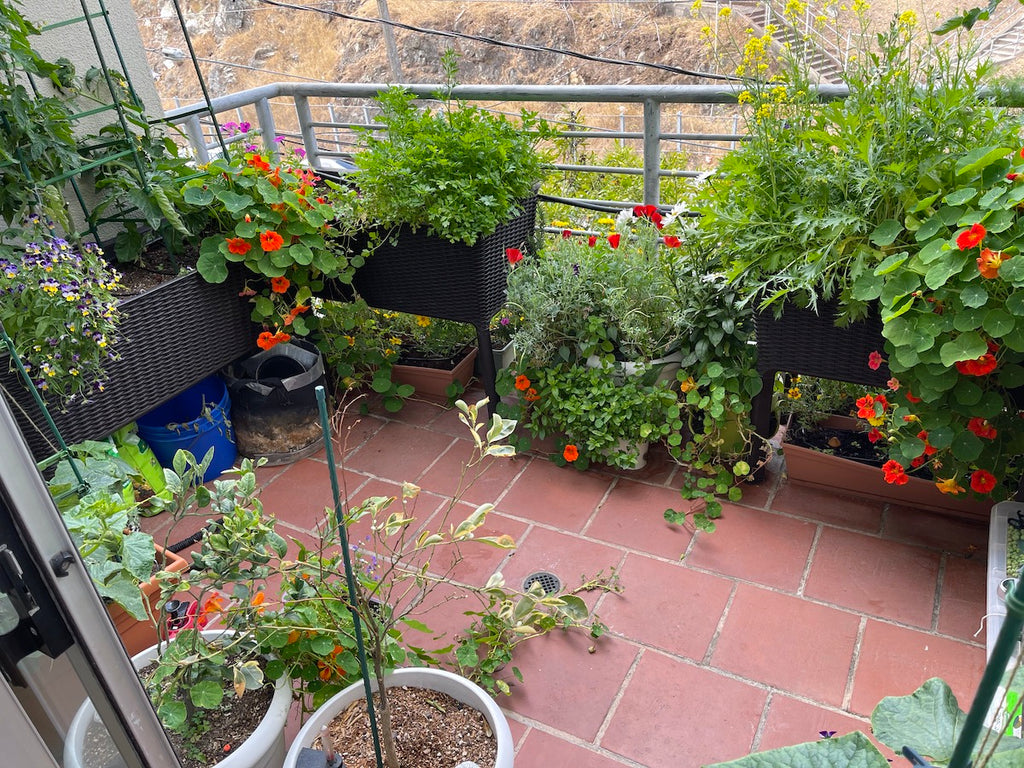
{"x": 756, "y": 55}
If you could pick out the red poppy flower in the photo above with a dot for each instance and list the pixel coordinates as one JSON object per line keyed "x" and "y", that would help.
{"x": 971, "y": 237}
{"x": 522, "y": 383}
{"x": 989, "y": 263}
{"x": 592, "y": 241}
{"x": 613, "y": 239}
{"x": 982, "y": 428}
{"x": 875, "y": 361}
{"x": 514, "y": 255}
{"x": 929, "y": 449}
{"x": 1012, "y": 176}
{"x": 271, "y": 241}
{"x": 982, "y": 481}
{"x": 239, "y": 245}
{"x": 257, "y": 162}
{"x": 571, "y": 453}
{"x": 649, "y": 212}
{"x": 279, "y": 284}
{"x": 672, "y": 242}
{"x": 566, "y": 234}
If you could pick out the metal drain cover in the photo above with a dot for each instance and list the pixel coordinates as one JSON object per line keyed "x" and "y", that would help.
{"x": 548, "y": 582}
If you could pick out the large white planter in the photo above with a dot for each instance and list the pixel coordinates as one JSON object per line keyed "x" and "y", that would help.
{"x": 439, "y": 680}
{"x": 666, "y": 368}
{"x": 263, "y": 749}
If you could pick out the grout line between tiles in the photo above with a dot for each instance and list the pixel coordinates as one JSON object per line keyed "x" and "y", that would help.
{"x": 614, "y": 706}
{"x": 537, "y": 725}
{"x": 939, "y": 584}
{"x": 713, "y": 642}
{"x": 854, "y": 662}
{"x": 755, "y": 742}
{"x": 810, "y": 560}
{"x": 597, "y": 507}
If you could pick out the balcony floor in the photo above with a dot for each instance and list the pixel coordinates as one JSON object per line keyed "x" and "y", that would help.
{"x": 796, "y": 616}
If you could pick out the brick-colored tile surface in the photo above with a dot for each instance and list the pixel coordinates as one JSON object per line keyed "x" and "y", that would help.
{"x": 791, "y": 721}
{"x": 895, "y": 661}
{"x": 667, "y": 605}
{"x": 756, "y": 546}
{"x": 788, "y": 643}
{"x": 542, "y": 750}
{"x": 876, "y": 576}
{"x": 557, "y": 496}
{"x": 814, "y": 504}
{"x": 389, "y": 452}
{"x": 633, "y": 516}
{"x": 962, "y": 603}
{"x": 959, "y": 535}
{"x": 675, "y": 713}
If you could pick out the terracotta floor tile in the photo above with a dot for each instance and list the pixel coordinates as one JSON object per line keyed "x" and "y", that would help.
{"x": 568, "y": 557}
{"x": 558, "y": 496}
{"x": 558, "y": 670}
{"x": 302, "y": 492}
{"x": 482, "y": 483}
{"x": 791, "y": 721}
{"x": 542, "y": 750}
{"x": 757, "y": 546}
{"x": 667, "y": 605}
{"x": 895, "y": 661}
{"x": 962, "y": 605}
{"x": 352, "y": 431}
{"x": 659, "y": 467}
{"x": 478, "y": 560}
{"x": 674, "y": 713}
{"x": 960, "y": 536}
{"x": 633, "y": 516}
{"x": 876, "y": 576}
{"x": 787, "y": 642}
{"x": 815, "y": 504}
{"x": 387, "y": 454}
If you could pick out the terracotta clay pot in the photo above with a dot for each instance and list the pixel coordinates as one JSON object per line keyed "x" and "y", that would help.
{"x": 138, "y": 635}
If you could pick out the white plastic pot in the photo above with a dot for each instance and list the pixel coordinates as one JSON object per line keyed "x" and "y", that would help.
{"x": 666, "y": 366}
{"x": 459, "y": 688}
{"x": 263, "y": 749}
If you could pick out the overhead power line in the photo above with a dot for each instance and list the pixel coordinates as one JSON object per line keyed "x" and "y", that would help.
{"x": 501, "y": 43}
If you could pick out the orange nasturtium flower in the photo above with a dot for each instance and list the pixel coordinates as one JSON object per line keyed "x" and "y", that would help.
{"x": 981, "y": 428}
{"x": 257, "y": 162}
{"x": 239, "y": 245}
{"x": 989, "y": 263}
{"x": 970, "y": 238}
{"x": 895, "y": 473}
{"x": 266, "y": 340}
{"x": 279, "y": 284}
{"x": 522, "y": 383}
{"x": 570, "y": 453}
{"x": 950, "y": 486}
{"x": 271, "y": 241}
{"x": 531, "y": 395}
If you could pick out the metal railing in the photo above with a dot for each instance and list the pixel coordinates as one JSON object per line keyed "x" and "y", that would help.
{"x": 323, "y": 118}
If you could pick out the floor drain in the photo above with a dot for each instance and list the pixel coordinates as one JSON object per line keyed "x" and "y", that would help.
{"x": 548, "y": 582}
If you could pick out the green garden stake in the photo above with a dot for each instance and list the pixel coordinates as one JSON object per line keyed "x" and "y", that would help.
{"x": 1002, "y": 652}
{"x": 353, "y": 594}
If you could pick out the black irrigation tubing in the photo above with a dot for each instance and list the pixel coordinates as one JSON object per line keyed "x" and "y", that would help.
{"x": 195, "y": 538}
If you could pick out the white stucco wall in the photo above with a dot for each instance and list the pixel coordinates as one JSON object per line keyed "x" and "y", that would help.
{"x": 74, "y": 43}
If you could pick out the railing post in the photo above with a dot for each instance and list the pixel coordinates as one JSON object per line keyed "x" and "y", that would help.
{"x": 194, "y": 131}
{"x": 652, "y": 151}
{"x": 266, "y": 120}
{"x": 308, "y": 134}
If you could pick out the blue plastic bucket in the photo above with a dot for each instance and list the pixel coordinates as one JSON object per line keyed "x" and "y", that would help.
{"x": 196, "y": 420}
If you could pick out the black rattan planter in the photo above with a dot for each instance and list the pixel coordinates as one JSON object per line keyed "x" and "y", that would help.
{"x": 171, "y": 337}
{"x": 426, "y": 275}
{"x": 807, "y": 342}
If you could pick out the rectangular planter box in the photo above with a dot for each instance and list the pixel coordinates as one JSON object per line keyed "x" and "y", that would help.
{"x": 838, "y": 475}
{"x": 432, "y": 382}
{"x": 995, "y": 607}
{"x": 170, "y": 338}
{"x": 137, "y": 635}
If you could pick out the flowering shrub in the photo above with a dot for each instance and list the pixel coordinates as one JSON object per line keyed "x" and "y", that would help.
{"x": 57, "y": 304}
{"x": 285, "y": 224}
{"x": 952, "y": 303}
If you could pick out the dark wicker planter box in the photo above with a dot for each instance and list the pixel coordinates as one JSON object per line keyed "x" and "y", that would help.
{"x": 425, "y": 275}
{"x": 806, "y": 342}
{"x": 171, "y": 337}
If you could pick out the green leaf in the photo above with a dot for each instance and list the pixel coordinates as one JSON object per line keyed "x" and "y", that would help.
{"x": 198, "y": 195}
{"x": 854, "y": 750}
{"x": 973, "y": 296}
{"x": 966, "y": 346}
{"x": 976, "y": 159}
{"x": 998, "y": 322}
{"x": 933, "y": 250}
{"x": 206, "y": 694}
{"x": 929, "y": 720}
{"x": 211, "y": 263}
{"x": 891, "y": 263}
{"x": 234, "y": 202}
{"x": 173, "y": 714}
{"x": 941, "y": 271}
{"x": 966, "y": 447}
{"x": 886, "y": 233}
{"x": 960, "y": 196}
